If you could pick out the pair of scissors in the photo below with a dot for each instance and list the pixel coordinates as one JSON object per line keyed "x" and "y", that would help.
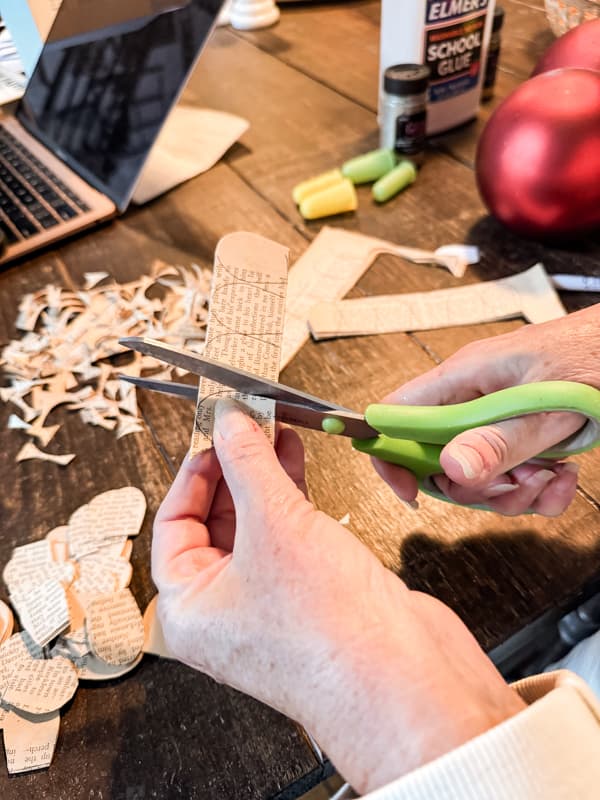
{"x": 409, "y": 436}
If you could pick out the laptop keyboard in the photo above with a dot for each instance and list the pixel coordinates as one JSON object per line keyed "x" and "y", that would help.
{"x": 32, "y": 198}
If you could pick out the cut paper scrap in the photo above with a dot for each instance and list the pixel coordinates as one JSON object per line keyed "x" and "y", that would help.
{"x": 57, "y": 538}
{"x": 91, "y": 668}
{"x": 109, "y": 519}
{"x": 40, "y": 686}
{"x": 114, "y": 627}
{"x": 101, "y": 574}
{"x": 19, "y": 647}
{"x": 29, "y": 451}
{"x": 32, "y": 564}
{"x": 245, "y": 325}
{"x": 25, "y": 559}
{"x": 191, "y": 142}
{"x": 93, "y": 278}
{"x": 7, "y": 622}
{"x": 42, "y": 610}
{"x": 529, "y": 294}
{"x": 335, "y": 261}
{"x": 60, "y": 359}
{"x": 73, "y": 645}
{"x": 29, "y": 742}
{"x": 154, "y": 638}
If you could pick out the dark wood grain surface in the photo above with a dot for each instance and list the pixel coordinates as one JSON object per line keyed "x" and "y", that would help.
{"x": 308, "y": 86}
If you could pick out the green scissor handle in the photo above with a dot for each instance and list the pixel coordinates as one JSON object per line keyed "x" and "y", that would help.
{"x": 413, "y": 436}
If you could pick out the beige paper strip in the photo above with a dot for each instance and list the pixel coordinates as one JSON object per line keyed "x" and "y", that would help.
{"x": 330, "y": 267}
{"x": 245, "y": 324}
{"x": 529, "y": 294}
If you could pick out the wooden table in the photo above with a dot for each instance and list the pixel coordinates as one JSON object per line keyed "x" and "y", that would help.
{"x": 309, "y": 88}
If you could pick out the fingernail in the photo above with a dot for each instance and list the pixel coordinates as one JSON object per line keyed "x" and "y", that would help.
{"x": 542, "y": 478}
{"x": 412, "y": 504}
{"x": 500, "y": 489}
{"x": 570, "y": 466}
{"x": 230, "y": 420}
{"x": 468, "y": 460}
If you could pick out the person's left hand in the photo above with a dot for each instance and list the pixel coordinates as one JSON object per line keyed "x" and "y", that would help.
{"x": 263, "y": 592}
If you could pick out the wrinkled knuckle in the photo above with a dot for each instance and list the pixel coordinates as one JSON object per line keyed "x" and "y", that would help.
{"x": 496, "y": 447}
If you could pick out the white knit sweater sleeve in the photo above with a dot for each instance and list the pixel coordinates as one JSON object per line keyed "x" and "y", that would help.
{"x": 549, "y": 751}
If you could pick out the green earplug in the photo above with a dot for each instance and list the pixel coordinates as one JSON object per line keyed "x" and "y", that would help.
{"x": 370, "y": 166}
{"x": 395, "y": 180}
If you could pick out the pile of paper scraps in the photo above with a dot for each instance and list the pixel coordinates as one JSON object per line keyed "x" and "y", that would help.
{"x": 79, "y": 620}
{"x": 70, "y": 338}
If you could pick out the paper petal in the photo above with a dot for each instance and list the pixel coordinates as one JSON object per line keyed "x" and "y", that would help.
{"x": 41, "y": 686}
{"x": 115, "y": 629}
{"x": 29, "y": 743}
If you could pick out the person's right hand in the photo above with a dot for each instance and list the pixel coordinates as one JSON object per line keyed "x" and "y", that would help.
{"x": 495, "y": 465}
{"x": 262, "y": 591}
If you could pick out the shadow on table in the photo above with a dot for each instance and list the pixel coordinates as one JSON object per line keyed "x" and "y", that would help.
{"x": 496, "y": 579}
{"x": 504, "y": 253}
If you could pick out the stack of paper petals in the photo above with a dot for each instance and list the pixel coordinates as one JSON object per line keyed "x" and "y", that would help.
{"x": 80, "y": 621}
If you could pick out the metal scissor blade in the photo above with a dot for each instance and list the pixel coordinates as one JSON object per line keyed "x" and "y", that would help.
{"x": 304, "y": 416}
{"x": 238, "y": 379}
{"x": 165, "y": 387}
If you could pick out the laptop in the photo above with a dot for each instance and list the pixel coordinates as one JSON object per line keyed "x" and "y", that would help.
{"x": 103, "y": 86}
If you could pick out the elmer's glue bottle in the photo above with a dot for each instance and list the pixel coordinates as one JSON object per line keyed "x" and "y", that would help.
{"x": 451, "y": 37}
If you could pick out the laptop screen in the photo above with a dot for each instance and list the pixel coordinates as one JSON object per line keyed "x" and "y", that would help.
{"x": 105, "y": 82}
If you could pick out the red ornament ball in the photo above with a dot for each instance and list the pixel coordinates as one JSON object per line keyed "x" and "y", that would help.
{"x": 579, "y": 47}
{"x": 538, "y": 158}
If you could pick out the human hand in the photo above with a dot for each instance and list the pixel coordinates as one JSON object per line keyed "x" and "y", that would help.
{"x": 492, "y": 465}
{"x": 269, "y": 595}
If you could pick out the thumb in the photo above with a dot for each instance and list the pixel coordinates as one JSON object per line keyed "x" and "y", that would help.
{"x": 259, "y": 485}
{"x": 477, "y": 456}
{"x": 439, "y": 386}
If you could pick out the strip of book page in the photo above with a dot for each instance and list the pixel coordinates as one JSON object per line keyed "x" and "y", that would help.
{"x": 335, "y": 261}
{"x": 245, "y": 325}
{"x": 529, "y": 294}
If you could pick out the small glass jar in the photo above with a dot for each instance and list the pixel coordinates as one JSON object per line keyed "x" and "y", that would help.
{"x": 491, "y": 65}
{"x": 403, "y": 117}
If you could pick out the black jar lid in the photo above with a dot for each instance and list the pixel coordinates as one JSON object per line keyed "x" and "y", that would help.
{"x": 498, "y": 18}
{"x": 406, "y": 79}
